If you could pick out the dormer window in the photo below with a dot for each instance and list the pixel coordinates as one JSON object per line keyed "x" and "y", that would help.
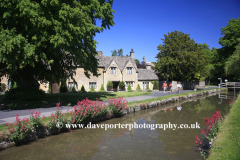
{"x": 129, "y": 70}
{"x": 113, "y": 70}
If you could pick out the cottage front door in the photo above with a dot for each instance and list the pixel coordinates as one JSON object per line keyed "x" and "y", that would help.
{"x": 115, "y": 86}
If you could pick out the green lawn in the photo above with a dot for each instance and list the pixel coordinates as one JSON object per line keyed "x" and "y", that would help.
{"x": 227, "y": 144}
{"x": 65, "y": 99}
{"x": 132, "y": 104}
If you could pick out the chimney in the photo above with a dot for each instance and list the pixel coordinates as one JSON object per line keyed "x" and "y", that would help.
{"x": 144, "y": 59}
{"x": 132, "y": 54}
{"x": 100, "y": 53}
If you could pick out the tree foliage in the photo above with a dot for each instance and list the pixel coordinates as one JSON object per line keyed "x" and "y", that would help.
{"x": 231, "y": 36}
{"x": 73, "y": 89}
{"x": 92, "y": 89}
{"x": 129, "y": 88}
{"x": 102, "y": 88}
{"x": 122, "y": 85}
{"x": 179, "y": 58}
{"x": 83, "y": 89}
{"x": 142, "y": 65}
{"x": 63, "y": 86}
{"x": 42, "y": 40}
{"x": 109, "y": 85}
{"x": 155, "y": 85}
{"x": 232, "y": 66}
{"x": 118, "y": 53}
{"x": 138, "y": 88}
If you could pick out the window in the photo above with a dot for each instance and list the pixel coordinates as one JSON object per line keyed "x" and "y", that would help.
{"x": 145, "y": 85}
{"x": 128, "y": 82}
{"x": 70, "y": 85}
{"x": 94, "y": 84}
{"x": 113, "y": 70}
{"x": 129, "y": 70}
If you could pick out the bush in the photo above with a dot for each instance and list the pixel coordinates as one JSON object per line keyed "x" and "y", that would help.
{"x": 83, "y": 89}
{"x": 109, "y": 85}
{"x": 155, "y": 85}
{"x": 19, "y": 130}
{"x": 63, "y": 87}
{"x": 117, "y": 105}
{"x": 73, "y": 89}
{"x": 122, "y": 85}
{"x": 102, "y": 89}
{"x": 13, "y": 85}
{"x": 87, "y": 109}
{"x": 92, "y": 89}
{"x": 148, "y": 87}
{"x": 138, "y": 88}
{"x": 149, "y": 90}
{"x": 23, "y": 94}
{"x": 3, "y": 87}
{"x": 49, "y": 88}
{"x": 129, "y": 88}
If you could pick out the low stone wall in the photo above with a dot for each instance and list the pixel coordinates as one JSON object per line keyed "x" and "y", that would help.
{"x": 45, "y": 132}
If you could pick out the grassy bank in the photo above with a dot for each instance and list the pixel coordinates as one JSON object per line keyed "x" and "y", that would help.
{"x": 227, "y": 144}
{"x": 132, "y": 104}
{"x": 66, "y": 99}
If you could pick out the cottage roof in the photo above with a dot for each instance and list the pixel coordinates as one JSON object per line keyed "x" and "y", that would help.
{"x": 105, "y": 61}
{"x": 143, "y": 74}
{"x": 146, "y": 74}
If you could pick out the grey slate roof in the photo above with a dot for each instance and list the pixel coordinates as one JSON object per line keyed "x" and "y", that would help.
{"x": 104, "y": 61}
{"x": 143, "y": 74}
{"x": 146, "y": 74}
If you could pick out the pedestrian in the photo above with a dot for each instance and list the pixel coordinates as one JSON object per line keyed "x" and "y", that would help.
{"x": 179, "y": 86}
{"x": 170, "y": 85}
{"x": 164, "y": 86}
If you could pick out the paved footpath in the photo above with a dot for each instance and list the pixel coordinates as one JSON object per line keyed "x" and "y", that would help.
{"x": 9, "y": 116}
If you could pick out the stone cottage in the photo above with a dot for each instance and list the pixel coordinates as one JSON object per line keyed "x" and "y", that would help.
{"x": 115, "y": 69}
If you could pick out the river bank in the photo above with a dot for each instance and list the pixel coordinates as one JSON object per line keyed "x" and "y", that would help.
{"x": 227, "y": 143}
{"x": 141, "y": 106}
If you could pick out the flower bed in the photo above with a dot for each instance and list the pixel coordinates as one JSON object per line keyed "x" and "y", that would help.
{"x": 85, "y": 111}
{"x": 213, "y": 125}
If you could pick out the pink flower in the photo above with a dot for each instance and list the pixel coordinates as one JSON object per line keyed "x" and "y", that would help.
{"x": 6, "y": 124}
{"x": 43, "y": 117}
{"x": 22, "y": 129}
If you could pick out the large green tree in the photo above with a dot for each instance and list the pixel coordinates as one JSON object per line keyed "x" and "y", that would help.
{"x": 232, "y": 66}
{"x": 179, "y": 58}
{"x": 43, "y": 40}
{"x": 231, "y": 36}
{"x": 229, "y": 41}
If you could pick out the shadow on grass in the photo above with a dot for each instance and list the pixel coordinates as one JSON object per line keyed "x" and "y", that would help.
{"x": 66, "y": 99}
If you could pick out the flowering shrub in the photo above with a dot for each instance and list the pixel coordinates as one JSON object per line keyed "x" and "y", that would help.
{"x": 19, "y": 129}
{"x": 35, "y": 120}
{"x": 117, "y": 105}
{"x": 86, "y": 109}
{"x": 213, "y": 126}
{"x": 199, "y": 145}
{"x": 58, "y": 118}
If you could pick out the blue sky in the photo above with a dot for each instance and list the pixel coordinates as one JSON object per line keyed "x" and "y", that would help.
{"x": 139, "y": 24}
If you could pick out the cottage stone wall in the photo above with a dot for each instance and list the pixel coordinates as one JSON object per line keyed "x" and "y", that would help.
{"x": 141, "y": 85}
{"x": 130, "y": 77}
{"x": 81, "y": 79}
{"x": 112, "y": 77}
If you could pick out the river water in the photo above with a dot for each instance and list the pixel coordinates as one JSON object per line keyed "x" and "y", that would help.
{"x": 138, "y": 143}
